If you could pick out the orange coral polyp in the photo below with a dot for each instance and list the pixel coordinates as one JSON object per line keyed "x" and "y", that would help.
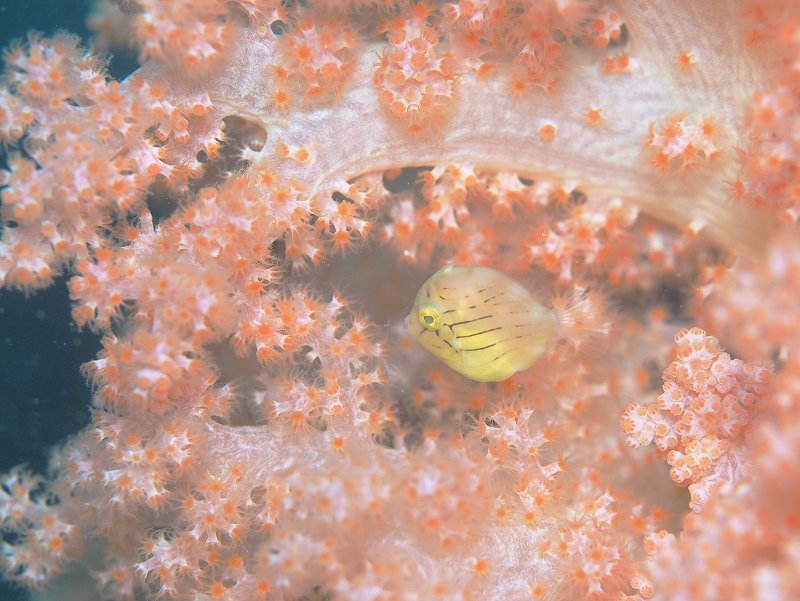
{"x": 250, "y": 434}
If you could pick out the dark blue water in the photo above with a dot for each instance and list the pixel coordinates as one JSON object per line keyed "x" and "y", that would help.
{"x": 43, "y": 397}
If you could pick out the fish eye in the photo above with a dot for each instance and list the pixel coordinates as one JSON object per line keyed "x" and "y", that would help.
{"x": 429, "y": 318}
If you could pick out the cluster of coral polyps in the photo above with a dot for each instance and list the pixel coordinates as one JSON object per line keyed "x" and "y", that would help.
{"x": 246, "y": 219}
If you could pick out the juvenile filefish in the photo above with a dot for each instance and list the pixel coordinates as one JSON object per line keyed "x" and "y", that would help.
{"x": 480, "y": 322}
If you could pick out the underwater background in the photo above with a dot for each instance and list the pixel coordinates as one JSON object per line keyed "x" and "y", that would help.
{"x": 43, "y": 396}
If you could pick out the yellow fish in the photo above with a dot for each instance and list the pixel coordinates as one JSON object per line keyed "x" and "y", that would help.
{"x": 480, "y": 322}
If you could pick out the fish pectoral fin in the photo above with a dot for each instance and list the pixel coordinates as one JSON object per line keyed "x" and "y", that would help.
{"x": 453, "y": 343}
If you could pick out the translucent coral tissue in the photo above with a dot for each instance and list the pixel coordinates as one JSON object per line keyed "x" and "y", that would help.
{"x": 245, "y": 220}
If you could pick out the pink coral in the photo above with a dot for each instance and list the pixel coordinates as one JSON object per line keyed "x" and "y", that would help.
{"x": 686, "y": 143}
{"x": 244, "y": 219}
{"x": 700, "y": 418}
